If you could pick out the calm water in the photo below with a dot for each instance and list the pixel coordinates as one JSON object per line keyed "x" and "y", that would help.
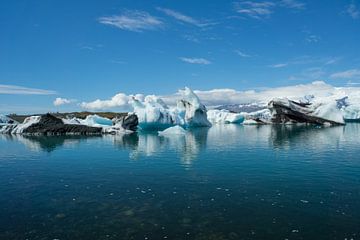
{"x": 226, "y": 182}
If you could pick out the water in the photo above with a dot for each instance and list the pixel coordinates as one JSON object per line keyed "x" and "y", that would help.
{"x": 226, "y": 182}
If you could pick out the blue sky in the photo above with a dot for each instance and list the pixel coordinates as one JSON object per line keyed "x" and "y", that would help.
{"x": 85, "y": 50}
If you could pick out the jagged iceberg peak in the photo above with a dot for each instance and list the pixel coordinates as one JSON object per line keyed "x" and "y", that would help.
{"x": 153, "y": 113}
{"x": 195, "y": 111}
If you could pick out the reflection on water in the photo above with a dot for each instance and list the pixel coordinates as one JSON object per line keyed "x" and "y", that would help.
{"x": 223, "y": 182}
{"x": 219, "y": 136}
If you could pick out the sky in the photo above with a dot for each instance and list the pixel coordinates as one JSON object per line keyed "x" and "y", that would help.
{"x": 64, "y": 55}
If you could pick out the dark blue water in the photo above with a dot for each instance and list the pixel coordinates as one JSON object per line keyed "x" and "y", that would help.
{"x": 226, "y": 182}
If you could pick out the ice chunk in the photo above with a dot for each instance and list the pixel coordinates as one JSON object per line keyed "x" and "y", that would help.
{"x": 224, "y": 116}
{"x": 176, "y": 130}
{"x": 19, "y": 129}
{"x": 96, "y": 121}
{"x": 5, "y": 120}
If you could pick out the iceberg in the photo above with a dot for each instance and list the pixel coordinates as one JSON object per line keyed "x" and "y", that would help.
{"x": 224, "y": 116}
{"x": 263, "y": 116}
{"x": 320, "y": 111}
{"x": 176, "y": 130}
{"x": 153, "y": 113}
{"x": 192, "y": 110}
{"x": 6, "y": 120}
{"x": 96, "y": 121}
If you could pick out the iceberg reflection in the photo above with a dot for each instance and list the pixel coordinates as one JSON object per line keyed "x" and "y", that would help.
{"x": 219, "y": 138}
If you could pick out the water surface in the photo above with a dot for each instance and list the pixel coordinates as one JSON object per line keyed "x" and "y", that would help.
{"x": 226, "y": 182}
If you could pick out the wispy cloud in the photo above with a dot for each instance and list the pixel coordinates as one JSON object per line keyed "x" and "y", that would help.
{"x": 253, "y": 9}
{"x": 352, "y": 73}
{"x": 13, "y": 89}
{"x": 136, "y": 21}
{"x": 62, "y": 101}
{"x": 279, "y": 65}
{"x": 263, "y": 9}
{"x": 242, "y": 54}
{"x": 183, "y": 18}
{"x": 195, "y": 60}
{"x": 191, "y": 38}
{"x": 313, "y": 38}
{"x": 353, "y": 11}
{"x": 292, "y": 4}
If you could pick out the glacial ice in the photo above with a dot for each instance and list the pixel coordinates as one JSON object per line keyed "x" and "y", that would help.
{"x": 153, "y": 113}
{"x": 319, "y": 110}
{"x": 96, "y": 121}
{"x": 4, "y": 119}
{"x": 216, "y": 116}
{"x": 19, "y": 129}
{"x": 176, "y": 130}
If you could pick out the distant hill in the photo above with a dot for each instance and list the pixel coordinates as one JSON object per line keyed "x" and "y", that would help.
{"x": 82, "y": 115}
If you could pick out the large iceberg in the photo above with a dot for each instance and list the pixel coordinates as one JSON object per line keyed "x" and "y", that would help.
{"x": 319, "y": 111}
{"x": 153, "y": 113}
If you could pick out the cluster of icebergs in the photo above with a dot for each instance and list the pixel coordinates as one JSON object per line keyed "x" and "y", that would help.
{"x": 154, "y": 114}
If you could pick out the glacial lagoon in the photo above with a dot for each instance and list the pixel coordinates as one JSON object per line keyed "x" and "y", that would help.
{"x": 223, "y": 182}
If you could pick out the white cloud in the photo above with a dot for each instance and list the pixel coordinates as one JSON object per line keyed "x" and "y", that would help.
{"x": 217, "y": 97}
{"x": 195, "y": 60}
{"x": 242, "y": 54}
{"x": 352, "y": 73}
{"x": 292, "y": 4}
{"x": 13, "y": 89}
{"x": 353, "y": 11}
{"x": 62, "y": 101}
{"x": 183, "y": 18}
{"x": 136, "y": 21}
{"x": 120, "y": 100}
{"x": 279, "y": 65}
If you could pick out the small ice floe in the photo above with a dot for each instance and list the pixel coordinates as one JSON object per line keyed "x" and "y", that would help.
{"x": 176, "y": 130}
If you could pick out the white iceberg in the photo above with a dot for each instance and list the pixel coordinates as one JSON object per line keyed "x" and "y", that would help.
{"x": 96, "y": 121}
{"x": 153, "y": 113}
{"x": 176, "y": 130}
{"x": 216, "y": 116}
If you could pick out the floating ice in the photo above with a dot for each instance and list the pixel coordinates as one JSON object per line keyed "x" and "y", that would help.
{"x": 176, "y": 130}
{"x": 19, "y": 129}
{"x": 319, "y": 111}
{"x": 153, "y": 113}
{"x": 224, "y": 116}
{"x": 195, "y": 112}
{"x": 96, "y": 121}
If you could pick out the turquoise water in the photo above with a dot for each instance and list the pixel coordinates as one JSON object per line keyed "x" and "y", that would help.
{"x": 226, "y": 182}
